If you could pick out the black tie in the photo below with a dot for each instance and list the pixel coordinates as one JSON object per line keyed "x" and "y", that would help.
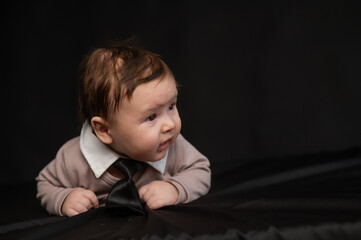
{"x": 124, "y": 195}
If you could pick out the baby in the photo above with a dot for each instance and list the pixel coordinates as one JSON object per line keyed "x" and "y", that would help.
{"x": 128, "y": 100}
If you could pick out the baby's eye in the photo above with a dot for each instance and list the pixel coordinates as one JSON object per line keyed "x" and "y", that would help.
{"x": 171, "y": 107}
{"x": 151, "y": 117}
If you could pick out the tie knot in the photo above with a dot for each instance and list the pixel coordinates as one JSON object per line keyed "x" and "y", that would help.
{"x": 127, "y": 166}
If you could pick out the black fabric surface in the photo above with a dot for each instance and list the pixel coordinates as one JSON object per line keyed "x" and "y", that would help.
{"x": 309, "y": 197}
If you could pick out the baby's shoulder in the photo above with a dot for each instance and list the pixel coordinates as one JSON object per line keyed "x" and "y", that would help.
{"x": 70, "y": 150}
{"x": 182, "y": 145}
{"x": 183, "y": 151}
{"x": 71, "y": 145}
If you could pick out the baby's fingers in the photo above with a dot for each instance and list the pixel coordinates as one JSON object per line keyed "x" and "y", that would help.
{"x": 75, "y": 209}
{"x": 151, "y": 197}
{"x": 143, "y": 192}
{"x": 81, "y": 207}
{"x": 89, "y": 195}
{"x": 71, "y": 212}
{"x": 155, "y": 203}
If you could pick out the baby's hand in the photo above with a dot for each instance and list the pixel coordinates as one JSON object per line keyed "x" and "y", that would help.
{"x": 78, "y": 201}
{"x": 158, "y": 194}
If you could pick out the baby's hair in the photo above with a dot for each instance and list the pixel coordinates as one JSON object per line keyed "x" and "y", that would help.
{"x": 111, "y": 73}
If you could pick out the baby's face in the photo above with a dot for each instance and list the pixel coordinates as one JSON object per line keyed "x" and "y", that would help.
{"x": 147, "y": 124}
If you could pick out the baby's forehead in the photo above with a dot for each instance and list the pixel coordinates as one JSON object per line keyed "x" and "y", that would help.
{"x": 151, "y": 96}
{"x": 156, "y": 84}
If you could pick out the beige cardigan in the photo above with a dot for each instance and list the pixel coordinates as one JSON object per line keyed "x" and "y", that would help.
{"x": 186, "y": 168}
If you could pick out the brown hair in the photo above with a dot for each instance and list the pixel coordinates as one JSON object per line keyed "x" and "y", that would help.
{"x": 109, "y": 74}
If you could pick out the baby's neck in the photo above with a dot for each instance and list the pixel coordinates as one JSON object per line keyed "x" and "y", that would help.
{"x": 115, "y": 172}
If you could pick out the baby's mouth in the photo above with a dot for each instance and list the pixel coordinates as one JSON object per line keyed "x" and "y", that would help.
{"x": 164, "y": 145}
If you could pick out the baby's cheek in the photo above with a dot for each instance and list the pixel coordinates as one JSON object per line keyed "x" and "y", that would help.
{"x": 150, "y": 143}
{"x": 146, "y": 150}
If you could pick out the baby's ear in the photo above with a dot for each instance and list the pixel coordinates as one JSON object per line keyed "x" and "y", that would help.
{"x": 101, "y": 129}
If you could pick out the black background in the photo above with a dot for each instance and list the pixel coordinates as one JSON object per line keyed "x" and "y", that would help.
{"x": 260, "y": 79}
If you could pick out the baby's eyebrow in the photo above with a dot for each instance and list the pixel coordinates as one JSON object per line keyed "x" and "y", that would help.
{"x": 175, "y": 97}
{"x": 157, "y": 106}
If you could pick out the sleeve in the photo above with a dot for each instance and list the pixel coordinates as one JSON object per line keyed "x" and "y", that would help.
{"x": 54, "y": 184}
{"x": 191, "y": 173}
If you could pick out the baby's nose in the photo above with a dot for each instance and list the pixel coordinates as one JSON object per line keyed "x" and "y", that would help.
{"x": 168, "y": 125}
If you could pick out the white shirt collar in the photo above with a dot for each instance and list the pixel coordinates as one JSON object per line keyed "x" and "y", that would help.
{"x": 100, "y": 157}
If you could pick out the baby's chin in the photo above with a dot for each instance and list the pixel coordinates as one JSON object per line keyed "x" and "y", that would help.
{"x": 146, "y": 157}
{"x": 157, "y": 158}
{"x": 153, "y": 160}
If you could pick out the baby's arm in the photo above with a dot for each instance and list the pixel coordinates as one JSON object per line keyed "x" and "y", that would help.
{"x": 59, "y": 184}
{"x": 53, "y": 187}
{"x": 59, "y": 196}
{"x": 191, "y": 173}
{"x": 193, "y": 181}
{"x": 188, "y": 177}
